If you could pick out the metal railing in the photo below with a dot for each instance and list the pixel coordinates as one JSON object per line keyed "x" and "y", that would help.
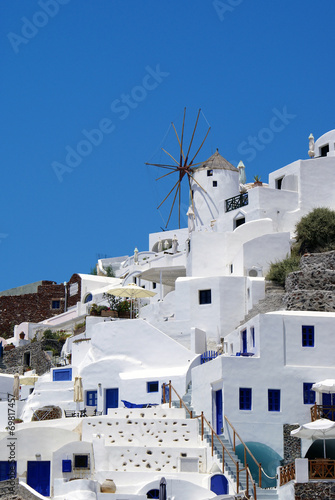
{"x": 322, "y": 411}
{"x": 238, "y": 201}
{"x": 213, "y": 434}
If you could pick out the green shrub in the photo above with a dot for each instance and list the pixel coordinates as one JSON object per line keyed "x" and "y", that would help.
{"x": 316, "y": 231}
{"x": 280, "y": 269}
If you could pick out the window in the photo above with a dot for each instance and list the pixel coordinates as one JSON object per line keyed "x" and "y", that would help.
{"x": 324, "y": 150}
{"x": 231, "y": 268}
{"x": 239, "y": 222}
{"x": 274, "y": 400}
{"x": 62, "y": 374}
{"x": 66, "y": 466}
{"x": 205, "y": 296}
{"x": 55, "y": 304}
{"x": 307, "y": 336}
{"x": 215, "y": 184}
{"x": 154, "y": 285}
{"x": 81, "y": 462}
{"x": 209, "y": 173}
{"x": 91, "y": 398}
{"x": 279, "y": 182}
{"x": 88, "y": 298}
{"x": 152, "y": 386}
{"x": 244, "y": 341}
{"x": 245, "y": 398}
{"x": 252, "y": 332}
{"x": 153, "y": 494}
{"x": 309, "y": 395}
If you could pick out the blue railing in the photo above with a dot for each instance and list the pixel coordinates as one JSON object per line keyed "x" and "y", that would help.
{"x": 208, "y": 356}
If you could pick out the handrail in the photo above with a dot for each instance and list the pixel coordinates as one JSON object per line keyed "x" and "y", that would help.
{"x": 322, "y": 411}
{"x": 245, "y": 449}
{"x": 213, "y": 433}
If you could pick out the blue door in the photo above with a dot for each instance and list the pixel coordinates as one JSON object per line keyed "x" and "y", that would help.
{"x": 244, "y": 341}
{"x": 219, "y": 484}
{"x": 7, "y": 470}
{"x": 219, "y": 418}
{"x": 112, "y": 399}
{"x": 38, "y": 476}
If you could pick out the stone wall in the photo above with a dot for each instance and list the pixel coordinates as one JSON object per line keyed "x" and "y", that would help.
{"x": 292, "y": 445}
{"x": 314, "y": 491}
{"x": 35, "y": 307}
{"x": 313, "y": 287}
{"x": 13, "y": 361}
{"x": 12, "y": 490}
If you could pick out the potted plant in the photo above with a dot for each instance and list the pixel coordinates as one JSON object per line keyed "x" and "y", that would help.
{"x": 257, "y": 181}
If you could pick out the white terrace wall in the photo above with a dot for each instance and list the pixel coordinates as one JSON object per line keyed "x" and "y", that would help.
{"x": 226, "y": 310}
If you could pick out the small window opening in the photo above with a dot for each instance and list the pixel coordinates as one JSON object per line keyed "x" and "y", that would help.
{"x": 239, "y": 222}
{"x": 26, "y": 359}
{"x": 205, "y": 296}
{"x": 154, "y": 285}
{"x": 324, "y": 150}
{"x": 81, "y": 461}
{"x": 55, "y": 304}
{"x": 279, "y": 183}
{"x": 215, "y": 184}
{"x": 209, "y": 173}
{"x": 152, "y": 386}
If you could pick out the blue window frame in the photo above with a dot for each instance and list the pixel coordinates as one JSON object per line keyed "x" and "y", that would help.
{"x": 55, "y": 304}
{"x": 309, "y": 395}
{"x": 91, "y": 398}
{"x": 245, "y": 398}
{"x": 152, "y": 386}
{"x": 66, "y": 466}
{"x": 274, "y": 399}
{"x": 62, "y": 374}
{"x": 307, "y": 336}
{"x": 205, "y": 296}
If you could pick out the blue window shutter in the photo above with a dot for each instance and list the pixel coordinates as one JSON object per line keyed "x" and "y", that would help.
{"x": 307, "y": 336}
{"x": 309, "y": 395}
{"x": 274, "y": 400}
{"x": 245, "y": 398}
{"x": 62, "y": 374}
{"x": 91, "y": 398}
{"x": 66, "y": 466}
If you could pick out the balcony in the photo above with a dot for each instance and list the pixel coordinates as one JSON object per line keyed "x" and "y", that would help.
{"x": 322, "y": 411}
{"x": 238, "y": 201}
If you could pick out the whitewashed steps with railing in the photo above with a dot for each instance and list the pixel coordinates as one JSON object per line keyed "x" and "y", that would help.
{"x": 230, "y": 468}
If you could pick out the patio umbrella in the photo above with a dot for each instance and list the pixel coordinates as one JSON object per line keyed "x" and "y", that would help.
{"x": 131, "y": 291}
{"x": 162, "y": 489}
{"x": 16, "y": 386}
{"x": 78, "y": 391}
{"x": 327, "y": 386}
{"x": 319, "y": 429}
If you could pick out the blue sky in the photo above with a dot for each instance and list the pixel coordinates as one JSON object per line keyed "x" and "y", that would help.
{"x": 88, "y": 92}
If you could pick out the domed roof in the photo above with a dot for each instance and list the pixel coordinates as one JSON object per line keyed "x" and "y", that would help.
{"x": 216, "y": 161}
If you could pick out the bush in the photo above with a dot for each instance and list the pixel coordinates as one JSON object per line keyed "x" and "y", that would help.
{"x": 316, "y": 231}
{"x": 280, "y": 269}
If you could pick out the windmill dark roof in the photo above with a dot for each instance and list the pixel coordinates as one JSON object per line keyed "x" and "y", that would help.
{"x": 216, "y": 161}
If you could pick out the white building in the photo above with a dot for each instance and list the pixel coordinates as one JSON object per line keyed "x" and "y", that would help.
{"x": 207, "y": 278}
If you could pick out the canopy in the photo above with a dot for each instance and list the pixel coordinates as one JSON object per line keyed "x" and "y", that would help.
{"x": 327, "y": 386}
{"x": 16, "y": 386}
{"x": 78, "y": 390}
{"x": 132, "y": 291}
{"x": 319, "y": 429}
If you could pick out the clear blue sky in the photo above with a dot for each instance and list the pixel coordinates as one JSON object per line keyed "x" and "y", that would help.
{"x": 128, "y": 68}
